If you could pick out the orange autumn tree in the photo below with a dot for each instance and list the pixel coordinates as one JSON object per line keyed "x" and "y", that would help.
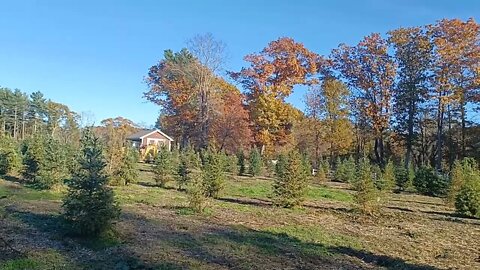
{"x": 456, "y": 72}
{"x": 175, "y": 92}
{"x": 269, "y": 79}
{"x": 369, "y": 69}
{"x": 230, "y": 124}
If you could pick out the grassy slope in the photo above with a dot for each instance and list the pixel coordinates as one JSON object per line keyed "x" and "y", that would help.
{"x": 240, "y": 230}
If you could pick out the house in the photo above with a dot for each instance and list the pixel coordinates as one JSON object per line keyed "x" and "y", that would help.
{"x": 150, "y": 140}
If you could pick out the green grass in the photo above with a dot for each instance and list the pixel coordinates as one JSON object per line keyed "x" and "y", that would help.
{"x": 317, "y": 193}
{"x": 253, "y": 188}
{"x": 43, "y": 260}
{"x": 17, "y": 192}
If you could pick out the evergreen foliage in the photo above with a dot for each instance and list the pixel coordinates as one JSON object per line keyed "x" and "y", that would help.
{"x": 255, "y": 162}
{"x": 10, "y": 159}
{"x": 291, "y": 181}
{"x": 183, "y": 176}
{"x": 44, "y": 162}
{"x": 162, "y": 167}
{"x": 196, "y": 194}
{"x": 241, "y": 163}
{"x": 366, "y": 195}
{"x": 89, "y": 206}
{"x": 212, "y": 174}
{"x": 428, "y": 182}
{"x": 128, "y": 172}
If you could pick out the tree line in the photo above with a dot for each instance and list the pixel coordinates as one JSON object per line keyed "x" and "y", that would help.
{"x": 410, "y": 95}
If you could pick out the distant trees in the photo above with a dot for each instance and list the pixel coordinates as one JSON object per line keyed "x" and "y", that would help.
{"x": 198, "y": 106}
{"x": 90, "y": 207}
{"x": 10, "y": 158}
{"x": 269, "y": 79}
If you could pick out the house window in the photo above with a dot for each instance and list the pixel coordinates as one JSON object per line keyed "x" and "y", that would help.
{"x": 158, "y": 142}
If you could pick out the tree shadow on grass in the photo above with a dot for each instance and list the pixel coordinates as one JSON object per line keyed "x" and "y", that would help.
{"x": 179, "y": 243}
{"x": 155, "y": 185}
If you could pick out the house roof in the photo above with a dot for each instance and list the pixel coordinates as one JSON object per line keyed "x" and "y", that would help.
{"x": 145, "y": 132}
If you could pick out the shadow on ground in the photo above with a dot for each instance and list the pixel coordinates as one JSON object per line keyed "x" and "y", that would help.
{"x": 177, "y": 242}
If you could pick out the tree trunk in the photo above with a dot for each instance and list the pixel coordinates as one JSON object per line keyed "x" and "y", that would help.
{"x": 410, "y": 135}
{"x": 439, "y": 148}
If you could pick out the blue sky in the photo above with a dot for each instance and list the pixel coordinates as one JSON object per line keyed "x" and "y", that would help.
{"x": 93, "y": 55}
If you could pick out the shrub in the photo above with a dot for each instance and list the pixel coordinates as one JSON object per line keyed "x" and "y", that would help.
{"x": 232, "y": 164}
{"x": 462, "y": 170}
{"x": 162, "y": 168}
{"x": 255, "y": 162}
{"x": 213, "y": 176}
{"x": 89, "y": 206}
{"x": 467, "y": 201}
{"x": 366, "y": 196}
{"x": 9, "y": 155}
{"x": 428, "y": 182}
{"x": 291, "y": 181}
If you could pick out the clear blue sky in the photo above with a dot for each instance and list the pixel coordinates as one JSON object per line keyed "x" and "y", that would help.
{"x": 93, "y": 55}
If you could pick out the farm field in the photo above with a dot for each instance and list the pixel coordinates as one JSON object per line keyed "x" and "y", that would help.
{"x": 240, "y": 230}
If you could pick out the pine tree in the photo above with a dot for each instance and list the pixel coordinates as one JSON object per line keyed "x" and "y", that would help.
{"x": 467, "y": 200}
{"x": 291, "y": 182}
{"x": 196, "y": 194}
{"x": 349, "y": 170}
{"x": 307, "y": 166}
{"x": 213, "y": 175}
{"x": 183, "y": 176}
{"x": 321, "y": 176}
{"x": 388, "y": 177}
{"x": 255, "y": 162}
{"x": 128, "y": 171}
{"x": 232, "y": 166}
{"x": 280, "y": 166}
{"x": 9, "y": 155}
{"x": 44, "y": 162}
{"x": 366, "y": 193}
{"x": 89, "y": 206}
{"x": 241, "y": 163}
{"x": 162, "y": 168}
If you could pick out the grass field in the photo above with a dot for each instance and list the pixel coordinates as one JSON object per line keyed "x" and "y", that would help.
{"x": 240, "y": 230}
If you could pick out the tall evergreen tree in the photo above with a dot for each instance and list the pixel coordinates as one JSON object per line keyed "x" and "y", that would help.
{"x": 90, "y": 207}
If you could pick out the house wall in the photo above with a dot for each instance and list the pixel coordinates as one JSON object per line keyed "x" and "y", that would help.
{"x": 157, "y": 136}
